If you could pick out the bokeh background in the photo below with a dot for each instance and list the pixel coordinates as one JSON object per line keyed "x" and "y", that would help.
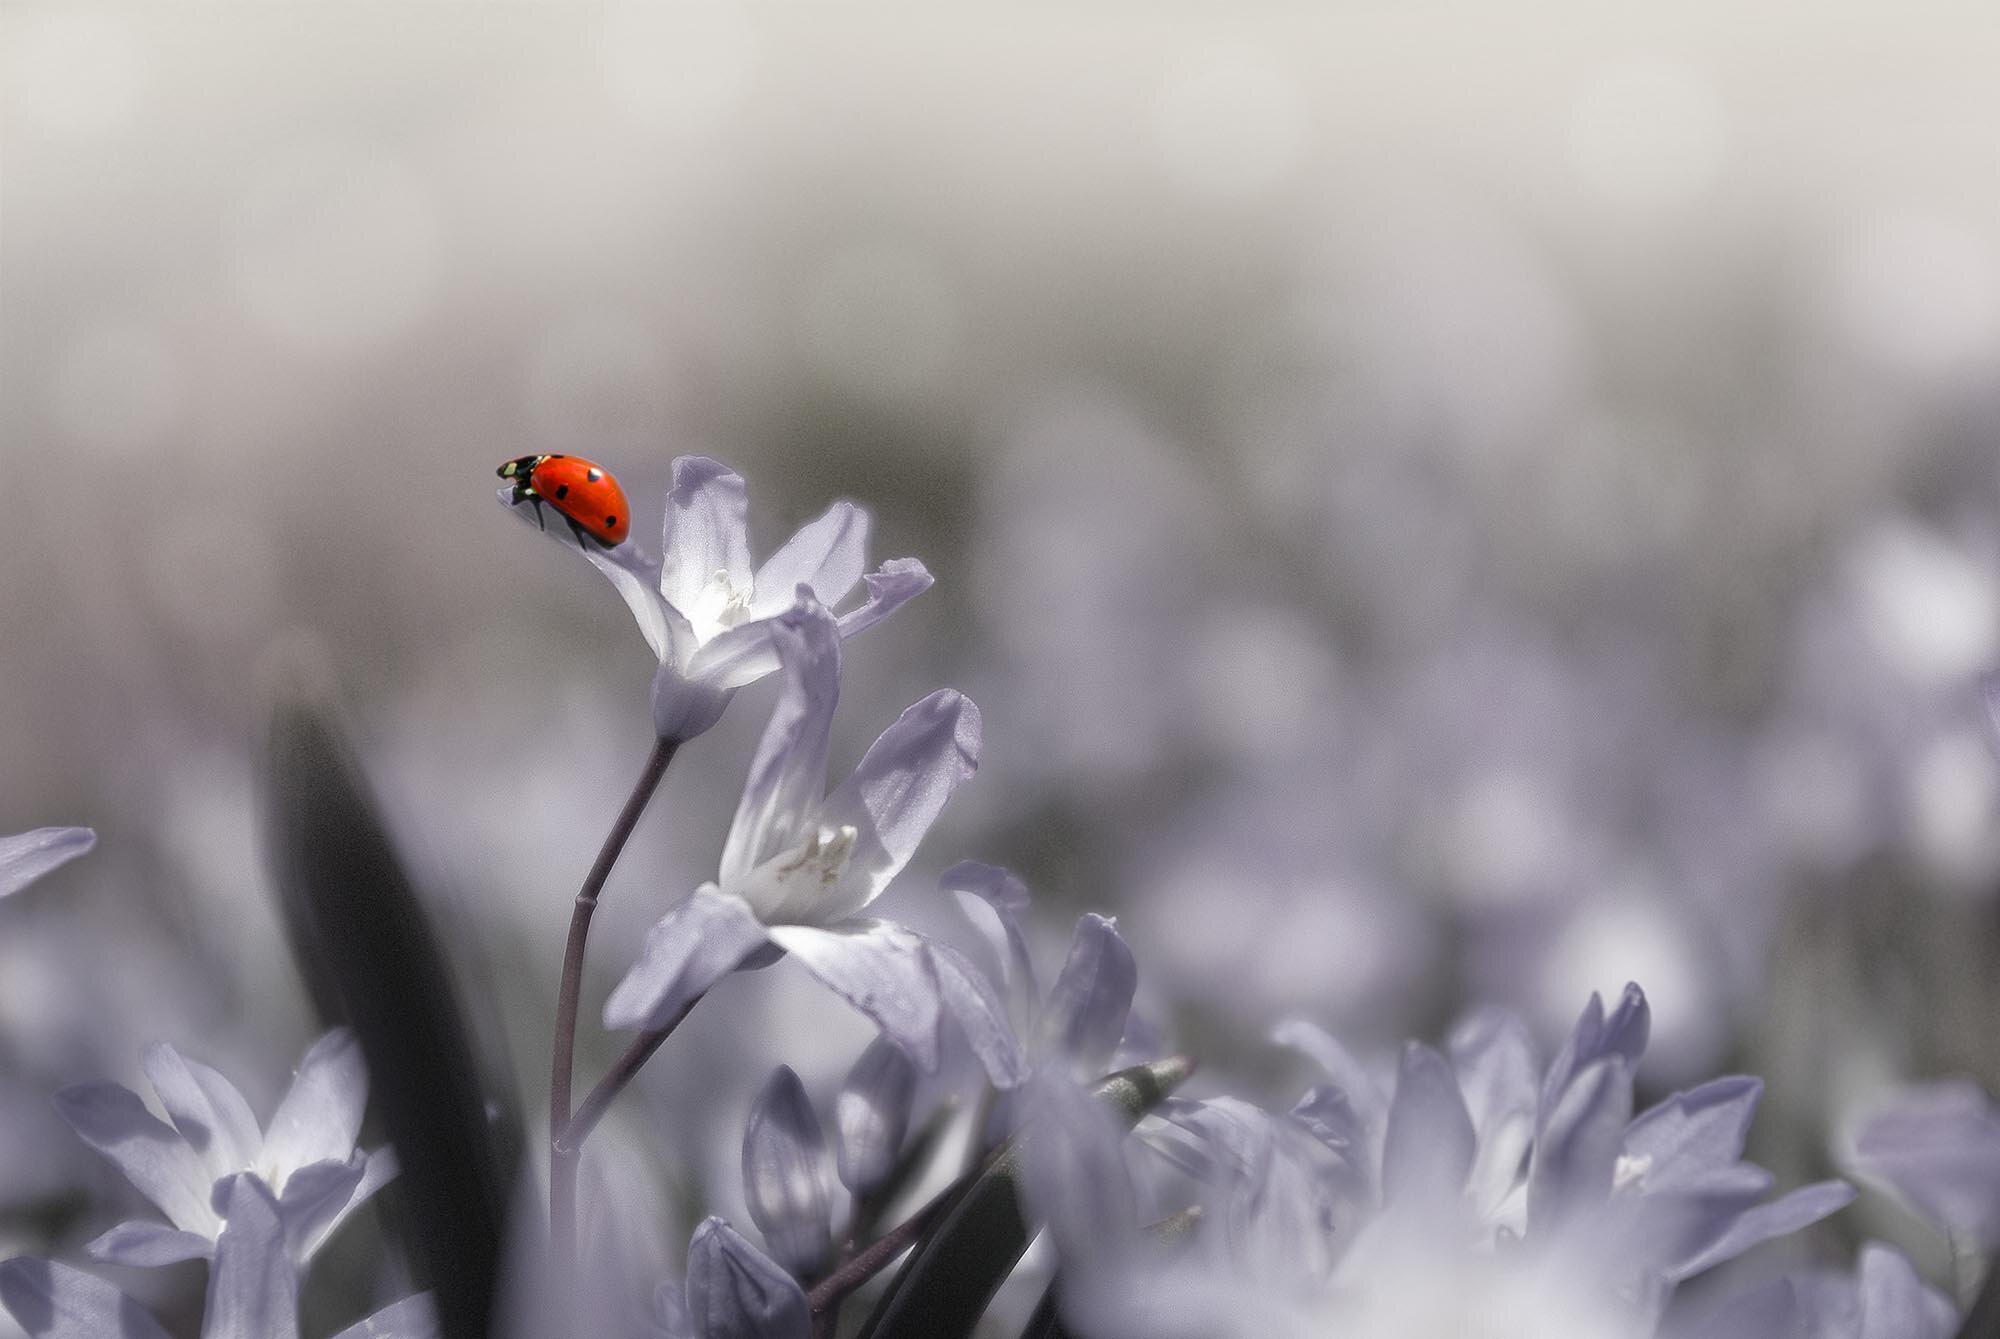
{"x": 1436, "y": 502}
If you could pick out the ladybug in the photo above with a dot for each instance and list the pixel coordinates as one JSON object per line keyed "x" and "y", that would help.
{"x": 583, "y": 493}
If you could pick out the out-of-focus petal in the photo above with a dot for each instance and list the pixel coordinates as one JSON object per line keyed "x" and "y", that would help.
{"x": 669, "y": 1318}
{"x": 881, "y": 969}
{"x": 253, "y": 1287}
{"x": 872, "y": 1114}
{"x": 995, "y": 900}
{"x": 1494, "y": 1059}
{"x": 1428, "y": 1147}
{"x": 981, "y": 1016}
{"x": 52, "y": 1301}
{"x": 147, "y": 1245}
{"x": 826, "y": 554}
{"x": 1781, "y": 1217}
{"x": 784, "y": 1175}
{"x": 415, "y": 1317}
{"x": 704, "y": 532}
{"x": 1937, "y": 1146}
{"x": 27, "y": 856}
{"x": 314, "y": 1197}
{"x": 211, "y": 1115}
{"x": 1092, "y": 997}
{"x": 320, "y": 1116}
{"x": 1215, "y": 1139}
{"x": 901, "y": 786}
{"x": 788, "y": 775}
{"x": 1577, "y": 1147}
{"x": 1895, "y": 1302}
{"x": 690, "y": 949}
{"x": 1694, "y": 1131}
{"x": 735, "y": 1292}
{"x": 1076, "y": 1176}
{"x": 1624, "y": 1033}
{"x": 890, "y": 586}
{"x": 1371, "y": 1104}
{"x": 150, "y": 1153}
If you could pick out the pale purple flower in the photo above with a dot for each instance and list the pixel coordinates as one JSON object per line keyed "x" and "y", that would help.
{"x": 800, "y": 867}
{"x": 871, "y": 1115}
{"x": 1884, "y": 1298}
{"x": 785, "y": 1174}
{"x": 709, "y": 617}
{"x": 1078, "y": 1027}
{"x": 187, "y": 1163}
{"x": 252, "y": 1291}
{"x": 27, "y": 856}
{"x": 1937, "y": 1146}
{"x": 734, "y": 1291}
{"x": 1477, "y": 1189}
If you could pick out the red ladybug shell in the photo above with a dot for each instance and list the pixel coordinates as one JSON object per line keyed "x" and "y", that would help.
{"x": 585, "y": 493}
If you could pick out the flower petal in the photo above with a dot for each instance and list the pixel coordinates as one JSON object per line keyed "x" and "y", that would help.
{"x": 734, "y": 657}
{"x": 637, "y": 581}
{"x": 900, "y": 788}
{"x": 1694, "y": 1131}
{"x": 735, "y": 1292}
{"x": 146, "y": 1245}
{"x": 684, "y": 707}
{"x": 315, "y": 1196}
{"x": 1895, "y": 1301}
{"x": 150, "y": 1153}
{"x": 27, "y": 856}
{"x": 784, "y": 1175}
{"x": 881, "y": 969}
{"x": 415, "y": 1317}
{"x": 890, "y": 586}
{"x": 995, "y": 900}
{"x": 1429, "y": 1144}
{"x": 320, "y": 1116}
{"x": 1092, "y": 997}
{"x": 378, "y": 1169}
{"x": 1937, "y": 1146}
{"x": 1576, "y": 1149}
{"x": 1349, "y": 1075}
{"x": 981, "y": 1015}
{"x": 1494, "y": 1059}
{"x": 788, "y": 775}
{"x": 688, "y": 950}
{"x": 211, "y": 1115}
{"x": 1075, "y": 1173}
{"x": 872, "y": 1114}
{"x": 52, "y": 1301}
{"x": 705, "y": 530}
{"x": 1624, "y": 1033}
{"x": 253, "y": 1288}
{"x": 826, "y": 554}
{"x": 1781, "y": 1217}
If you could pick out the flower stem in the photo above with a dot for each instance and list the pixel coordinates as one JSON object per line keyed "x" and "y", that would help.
{"x": 870, "y": 1259}
{"x": 562, "y": 1059}
{"x": 568, "y": 1140}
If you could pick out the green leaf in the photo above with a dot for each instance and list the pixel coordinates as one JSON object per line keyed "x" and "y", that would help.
{"x": 951, "y": 1276}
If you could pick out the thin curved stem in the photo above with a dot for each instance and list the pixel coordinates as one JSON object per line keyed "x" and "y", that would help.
{"x": 568, "y": 1138}
{"x": 562, "y": 1057}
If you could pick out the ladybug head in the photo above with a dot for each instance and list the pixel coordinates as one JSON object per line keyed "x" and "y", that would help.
{"x": 519, "y": 468}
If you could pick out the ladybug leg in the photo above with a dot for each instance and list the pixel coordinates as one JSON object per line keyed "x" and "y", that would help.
{"x": 540, "y": 519}
{"x": 581, "y": 539}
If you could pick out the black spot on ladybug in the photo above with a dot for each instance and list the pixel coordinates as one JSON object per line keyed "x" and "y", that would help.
{"x": 611, "y": 520}
{"x": 594, "y": 475}
{"x": 562, "y": 490}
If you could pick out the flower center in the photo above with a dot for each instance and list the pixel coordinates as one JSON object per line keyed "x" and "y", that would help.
{"x": 719, "y": 606}
{"x": 792, "y": 886}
